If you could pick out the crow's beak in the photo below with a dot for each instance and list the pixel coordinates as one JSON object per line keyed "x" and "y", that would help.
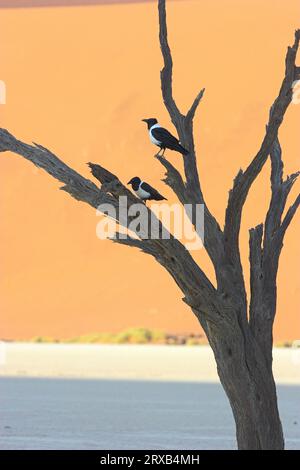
{"x": 129, "y": 182}
{"x": 145, "y": 120}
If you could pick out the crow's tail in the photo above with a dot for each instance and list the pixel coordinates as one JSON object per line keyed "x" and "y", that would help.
{"x": 182, "y": 150}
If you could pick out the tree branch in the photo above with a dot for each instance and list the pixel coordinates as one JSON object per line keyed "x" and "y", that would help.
{"x": 191, "y": 192}
{"x": 289, "y": 216}
{"x": 276, "y": 164}
{"x": 102, "y": 174}
{"x": 167, "y": 71}
{"x": 79, "y": 187}
{"x": 191, "y": 112}
{"x": 170, "y": 253}
{"x": 142, "y": 245}
{"x": 256, "y": 274}
{"x": 173, "y": 179}
{"x": 280, "y": 192}
{"x": 244, "y": 180}
{"x": 264, "y": 258}
{"x": 178, "y": 119}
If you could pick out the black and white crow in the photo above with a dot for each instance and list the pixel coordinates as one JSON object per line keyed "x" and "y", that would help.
{"x": 163, "y": 138}
{"x": 144, "y": 190}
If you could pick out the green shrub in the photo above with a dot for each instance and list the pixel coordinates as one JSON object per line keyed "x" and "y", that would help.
{"x": 43, "y": 339}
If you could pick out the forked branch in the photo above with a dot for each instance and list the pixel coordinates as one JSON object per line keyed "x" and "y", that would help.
{"x": 265, "y": 249}
{"x": 244, "y": 180}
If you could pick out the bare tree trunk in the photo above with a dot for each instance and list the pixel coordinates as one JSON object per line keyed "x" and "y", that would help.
{"x": 258, "y": 425}
{"x": 252, "y": 395}
{"x": 248, "y": 384}
{"x": 241, "y": 340}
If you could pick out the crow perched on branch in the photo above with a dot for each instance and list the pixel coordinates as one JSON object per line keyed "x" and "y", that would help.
{"x": 163, "y": 138}
{"x": 144, "y": 190}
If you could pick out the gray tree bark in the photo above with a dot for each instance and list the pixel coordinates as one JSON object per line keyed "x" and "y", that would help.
{"x": 241, "y": 340}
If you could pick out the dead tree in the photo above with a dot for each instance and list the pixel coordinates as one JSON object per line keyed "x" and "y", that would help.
{"x": 241, "y": 340}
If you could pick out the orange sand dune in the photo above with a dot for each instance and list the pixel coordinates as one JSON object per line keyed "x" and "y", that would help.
{"x": 79, "y": 81}
{"x": 57, "y": 3}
